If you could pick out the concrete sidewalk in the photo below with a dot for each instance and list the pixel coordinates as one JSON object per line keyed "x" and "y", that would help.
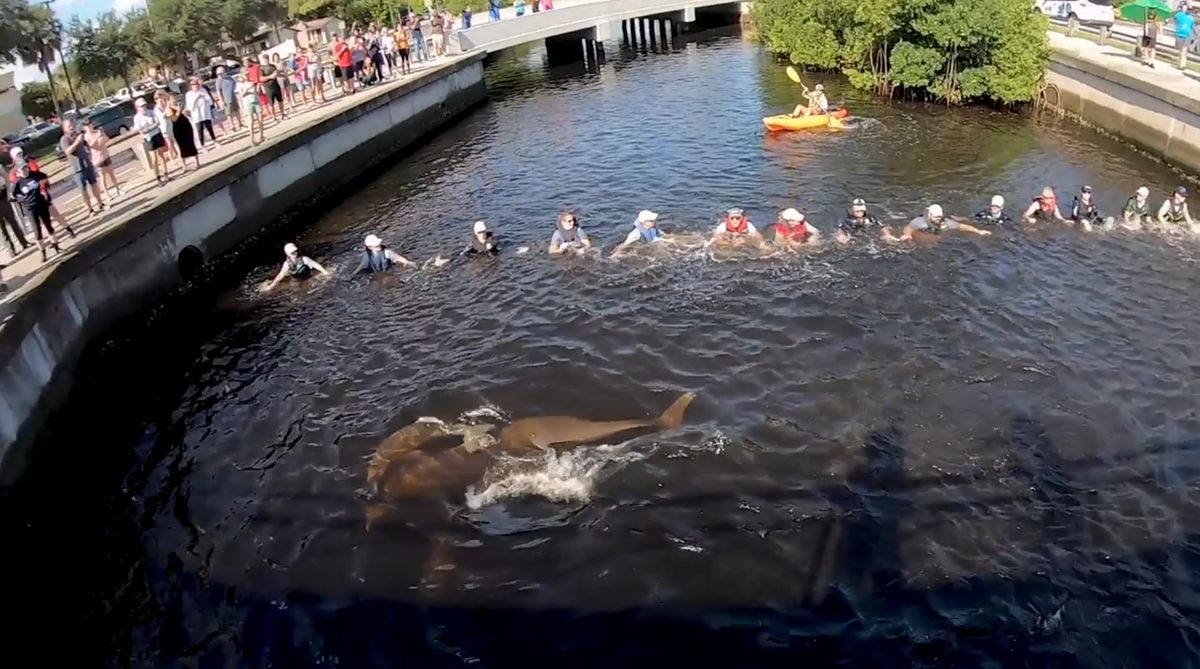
{"x": 1183, "y": 84}
{"x": 140, "y": 191}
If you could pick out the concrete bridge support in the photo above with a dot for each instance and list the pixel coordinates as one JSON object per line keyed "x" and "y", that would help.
{"x": 582, "y": 45}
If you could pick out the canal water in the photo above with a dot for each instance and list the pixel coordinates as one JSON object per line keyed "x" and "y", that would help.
{"x": 967, "y": 452}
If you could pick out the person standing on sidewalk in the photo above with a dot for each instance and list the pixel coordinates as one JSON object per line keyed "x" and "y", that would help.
{"x": 228, "y": 102}
{"x": 1150, "y": 32}
{"x": 74, "y": 147}
{"x": 1185, "y": 28}
{"x": 29, "y": 191}
{"x": 97, "y": 143}
{"x": 420, "y": 51}
{"x": 344, "y": 62}
{"x": 199, "y": 105}
{"x": 494, "y": 10}
{"x": 10, "y": 228}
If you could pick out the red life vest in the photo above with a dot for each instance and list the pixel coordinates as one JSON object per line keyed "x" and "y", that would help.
{"x": 795, "y": 233}
{"x": 741, "y": 229}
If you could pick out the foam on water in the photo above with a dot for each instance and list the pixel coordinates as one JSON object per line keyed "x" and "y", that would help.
{"x": 567, "y": 476}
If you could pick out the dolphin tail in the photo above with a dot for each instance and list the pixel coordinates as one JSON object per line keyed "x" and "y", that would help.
{"x": 673, "y": 416}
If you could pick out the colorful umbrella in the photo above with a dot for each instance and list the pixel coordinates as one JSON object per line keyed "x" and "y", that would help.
{"x": 1138, "y": 11}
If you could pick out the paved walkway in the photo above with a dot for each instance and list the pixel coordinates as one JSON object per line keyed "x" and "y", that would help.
{"x": 1114, "y": 57}
{"x": 140, "y": 192}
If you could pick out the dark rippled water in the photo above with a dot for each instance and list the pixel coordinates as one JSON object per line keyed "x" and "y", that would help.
{"x": 972, "y": 452}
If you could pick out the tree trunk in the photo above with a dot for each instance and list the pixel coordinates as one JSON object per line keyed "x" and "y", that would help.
{"x": 45, "y": 67}
{"x": 67, "y": 73}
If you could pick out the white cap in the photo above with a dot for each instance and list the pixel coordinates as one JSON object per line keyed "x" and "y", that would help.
{"x": 16, "y": 153}
{"x": 791, "y": 215}
{"x": 1143, "y": 192}
{"x": 290, "y": 248}
{"x": 997, "y": 200}
{"x": 819, "y": 87}
{"x": 373, "y": 240}
{"x": 220, "y": 69}
{"x": 480, "y": 226}
{"x": 934, "y": 210}
{"x": 646, "y": 215}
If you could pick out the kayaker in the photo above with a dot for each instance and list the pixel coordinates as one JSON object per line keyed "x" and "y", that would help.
{"x": 1137, "y": 210}
{"x": 567, "y": 236}
{"x": 934, "y": 222}
{"x": 1174, "y": 210}
{"x": 483, "y": 242}
{"x": 735, "y": 226}
{"x": 1044, "y": 208}
{"x": 378, "y": 258}
{"x": 817, "y": 103}
{"x": 645, "y": 229}
{"x": 296, "y": 266}
{"x": 1085, "y": 212}
{"x": 858, "y": 221}
{"x": 994, "y": 214}
{"x": 793, "y": 230}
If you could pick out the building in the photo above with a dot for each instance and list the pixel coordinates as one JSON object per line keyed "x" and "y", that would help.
{"x": 318, "y": 32}
{"x": 12, "y": 118}
{"x": 267, "y": 38}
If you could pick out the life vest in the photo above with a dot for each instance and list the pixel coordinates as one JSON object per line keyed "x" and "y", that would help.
{"x": 488, "y": 245}
{"x": 569, "y": 236}
{"x": 297, "y": 268}
{"x": 1134, "y": 208}
{"x": 741, "y": 228}
{"x": 648, "y": 234}
{"x": 377, "y": 261}
{"x": 1175, "y": 211}
{"x": 853, "y": 224}
{"x": 1084, "y": 211}
{"x": 794, "y": 233}
{"x": 986, "y": 216}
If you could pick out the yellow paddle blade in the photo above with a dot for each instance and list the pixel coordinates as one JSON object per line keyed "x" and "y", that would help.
{"x": 836, "y": 123}
{"x": 794, "y": 75}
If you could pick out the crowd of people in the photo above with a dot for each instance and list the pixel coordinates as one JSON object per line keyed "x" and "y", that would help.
{"x": 791, "y": 230}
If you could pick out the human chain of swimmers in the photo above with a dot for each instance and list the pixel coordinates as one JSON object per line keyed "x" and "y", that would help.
{"x": 792, "y": 229}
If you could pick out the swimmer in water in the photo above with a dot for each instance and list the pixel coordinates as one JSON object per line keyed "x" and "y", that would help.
{"x": 1044, "y": 208}
{"x": 568, "y": 236}
{"x": 645, "y": 229}
{"x": 296, "y": 266}
{"x": 1085, "y": 212}
{"x": 1174, "y": 210}
{"x": 483, "y": 242}
{"x": 934, "y": 222}
{"x": 994, "y": 215}
{"x": 378, "y": 258}
{"x": 735, "y": 227}
{"x": 792, "y": 230}
{"x": 858, "y": 221}
{"x": 1137, "y": 210}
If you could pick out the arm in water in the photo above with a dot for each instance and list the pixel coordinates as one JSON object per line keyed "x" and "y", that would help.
{"x": 966, "y": 227}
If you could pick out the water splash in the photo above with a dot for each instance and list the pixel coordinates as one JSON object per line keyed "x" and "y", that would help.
{"x": 569, "y": 476}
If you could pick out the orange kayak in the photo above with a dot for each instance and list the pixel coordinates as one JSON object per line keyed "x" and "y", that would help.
{"x": 785, "y": 122}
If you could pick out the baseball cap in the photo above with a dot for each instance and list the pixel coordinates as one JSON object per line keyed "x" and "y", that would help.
{"x": 997, "y": 200}
{"x": 1143, "y": 191}
{"x": 1085, "y": 189}
{"x": 646, "y": 215}
{"x": 935, "y": 210}
{"x": 858, "y": 202}
{"x": 734, "y": 212}
{"x": 16, "y": 153}
{"x": 373, "y": 240}
{"x": 290, "y": 248}
{"x": 819, "y": 87}
{"x": 479, "y": 226}
{"x": 791, "y": 215}
{"x": 1181, "y": 191}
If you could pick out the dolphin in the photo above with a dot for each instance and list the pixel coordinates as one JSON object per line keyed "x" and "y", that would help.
{"x": 407, "y": 442}
{"x": 547, "y": 431}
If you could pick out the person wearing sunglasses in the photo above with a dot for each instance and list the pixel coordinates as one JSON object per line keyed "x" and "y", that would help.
{"x": 734, "y": 227}
{"x": 568, "y": 236}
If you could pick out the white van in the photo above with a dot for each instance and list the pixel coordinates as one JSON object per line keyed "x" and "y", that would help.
{"x": 1098, "y": 13}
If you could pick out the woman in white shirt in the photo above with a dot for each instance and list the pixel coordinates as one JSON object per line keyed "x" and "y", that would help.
{"x": 146, "y": 122}
{"x": 198, "y": 104}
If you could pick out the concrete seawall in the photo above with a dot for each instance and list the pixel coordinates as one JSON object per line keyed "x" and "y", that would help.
{"x": 1163, "y": 120}
{"x": 130, "y": 265}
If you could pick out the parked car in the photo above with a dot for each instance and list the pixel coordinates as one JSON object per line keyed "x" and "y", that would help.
{"x": 1098, "y": 13}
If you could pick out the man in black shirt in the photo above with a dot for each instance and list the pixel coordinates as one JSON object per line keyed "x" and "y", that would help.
{"x": 28, "y": 191}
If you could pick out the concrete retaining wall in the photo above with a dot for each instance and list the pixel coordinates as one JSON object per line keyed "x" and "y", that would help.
{"x": 1150, "y": 116}
{"x": 122, "y": 271}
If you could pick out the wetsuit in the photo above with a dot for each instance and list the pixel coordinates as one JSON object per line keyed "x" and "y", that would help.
{"x": 488, "y": 247}
{"x": 1081, "y": 211}
{"x": 854, "y": 226}
{"x": 986, "y": 217}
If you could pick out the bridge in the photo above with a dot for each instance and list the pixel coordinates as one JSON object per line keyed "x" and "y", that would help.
{"x": 577, "y": 29}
